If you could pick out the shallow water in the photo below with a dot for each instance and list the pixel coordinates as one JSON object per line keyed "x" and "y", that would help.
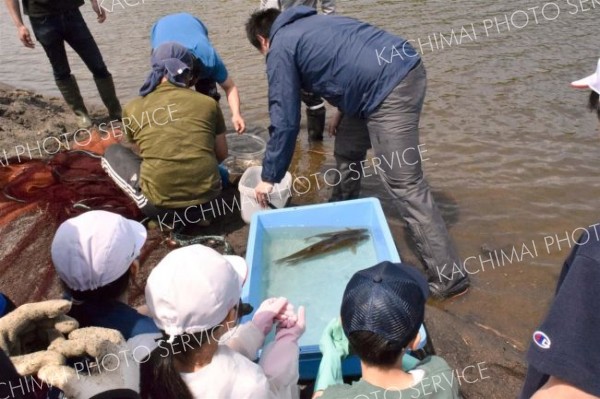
{"x": 512, "y": 153}
{"x": 317, "y": 283}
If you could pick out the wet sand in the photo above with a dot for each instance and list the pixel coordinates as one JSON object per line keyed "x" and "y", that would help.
{"x": 512, "y": 151}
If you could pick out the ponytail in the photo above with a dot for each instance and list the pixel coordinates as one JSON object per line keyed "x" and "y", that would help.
{"x": 594, "y": 103}
{"x": 160, "y": 378}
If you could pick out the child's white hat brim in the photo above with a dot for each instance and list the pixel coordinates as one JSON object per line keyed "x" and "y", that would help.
{"x": 592, "y": 81}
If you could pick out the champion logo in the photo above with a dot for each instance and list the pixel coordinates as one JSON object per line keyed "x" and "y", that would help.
{"x": 541, "y": 340}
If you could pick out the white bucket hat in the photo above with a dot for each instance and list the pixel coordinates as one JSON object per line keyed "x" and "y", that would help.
{"x": 193, "y": 288}
{"x": 592, "y": 81}
{"x": 95, "y": 249}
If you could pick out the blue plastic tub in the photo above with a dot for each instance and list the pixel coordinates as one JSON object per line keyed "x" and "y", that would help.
{"x": 362, "y": 212}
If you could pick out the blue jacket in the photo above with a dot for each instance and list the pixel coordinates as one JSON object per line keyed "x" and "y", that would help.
{"x": 351, "y": 64}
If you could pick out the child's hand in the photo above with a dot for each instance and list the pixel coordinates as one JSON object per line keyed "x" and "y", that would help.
{"x": 287, "y": 317}
{"x": 293, "y": 328}
{"x": 267, "y": 313}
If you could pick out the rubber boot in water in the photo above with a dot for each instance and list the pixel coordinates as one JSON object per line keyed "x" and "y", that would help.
{"x": 108, "y": 94}
{"x": 70, "y": 92}
{"x": 315, "y": 121}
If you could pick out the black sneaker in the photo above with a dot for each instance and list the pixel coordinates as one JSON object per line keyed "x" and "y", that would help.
{"x": 452, "y": 289}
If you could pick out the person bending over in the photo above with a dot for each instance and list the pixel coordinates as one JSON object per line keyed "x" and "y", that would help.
{"x": 315, "y": 106}
{"x": 387, "y": 93}
{"x": 176, "y": 142}
{"x": 191, "y": 33}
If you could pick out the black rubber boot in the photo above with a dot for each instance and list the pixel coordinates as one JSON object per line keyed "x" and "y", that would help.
{"x": 108, "y": 94}
{"x": 315, "y": 122}
{"x": 70, "y": 92}
{"x": 451, "y": 289}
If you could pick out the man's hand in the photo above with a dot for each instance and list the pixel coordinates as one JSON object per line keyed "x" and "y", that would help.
{"x": 25, "y": 37}
{"x": 334, "y": 122}
{"x": 262, "y": 193}
{"x": 100, "y": 12}
{"x": 238, "y": 123}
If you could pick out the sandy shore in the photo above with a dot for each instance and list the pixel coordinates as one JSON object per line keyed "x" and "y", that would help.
{"x": 488, "y": 362}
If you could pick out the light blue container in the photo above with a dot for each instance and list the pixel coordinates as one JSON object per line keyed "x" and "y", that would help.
{"x": 362, "y": 212}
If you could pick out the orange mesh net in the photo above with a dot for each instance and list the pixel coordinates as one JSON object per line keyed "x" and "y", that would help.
{"x": 36, "y": 196}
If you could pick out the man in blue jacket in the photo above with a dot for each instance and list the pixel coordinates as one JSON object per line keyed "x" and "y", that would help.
{"x": 367, "y": 73}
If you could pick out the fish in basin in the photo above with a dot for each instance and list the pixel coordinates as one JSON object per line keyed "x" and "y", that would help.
{"x": 339, "y": 234}
{"x": 330, "y": 244}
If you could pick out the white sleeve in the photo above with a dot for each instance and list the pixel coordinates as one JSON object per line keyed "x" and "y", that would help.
{"x": 280, "y": 361}
{"x": 246, "y": 339}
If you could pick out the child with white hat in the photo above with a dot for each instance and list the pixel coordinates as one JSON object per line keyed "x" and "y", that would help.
{"x": 95, "y": 255}
{"x": 193, "y": 295}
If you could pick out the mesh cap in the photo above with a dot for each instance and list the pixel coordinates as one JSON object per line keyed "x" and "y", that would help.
{"x": 387, "y": 299}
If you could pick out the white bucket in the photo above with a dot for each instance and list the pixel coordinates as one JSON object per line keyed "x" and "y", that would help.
{"x": 250, "y": 179}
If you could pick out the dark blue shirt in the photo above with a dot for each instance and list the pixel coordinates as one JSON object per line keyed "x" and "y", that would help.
{"x": 351, "y": 64}
{"x": 115, "y": 315}
{"x": 567, "y": 344}
{"x": 3, "y": 305}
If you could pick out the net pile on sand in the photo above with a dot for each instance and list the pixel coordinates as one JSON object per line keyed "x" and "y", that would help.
{"x": 35, "y": 197}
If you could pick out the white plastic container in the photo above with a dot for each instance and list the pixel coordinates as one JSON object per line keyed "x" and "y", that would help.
{"x": 250, "y": 179}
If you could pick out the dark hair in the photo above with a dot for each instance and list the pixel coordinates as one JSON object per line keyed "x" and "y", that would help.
{"x": 159, "y": 377}
{"x": 375, "y": 350}
{"x": 259, "y": 24}
{"x": 109, "y": 292}
{"x": 197, "y": 69}
{"x": 594, "y": 103}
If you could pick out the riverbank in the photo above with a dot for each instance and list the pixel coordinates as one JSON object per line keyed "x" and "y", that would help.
{"x": 482, "y": 335}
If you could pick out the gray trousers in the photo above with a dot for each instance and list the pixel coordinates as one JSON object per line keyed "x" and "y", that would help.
{"x": 393, "y": 132}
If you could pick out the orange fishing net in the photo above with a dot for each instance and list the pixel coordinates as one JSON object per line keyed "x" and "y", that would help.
{"x": 63, "y": 186}
{"x": 36, "y": 196}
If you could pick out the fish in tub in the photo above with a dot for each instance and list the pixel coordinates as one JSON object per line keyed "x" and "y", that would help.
{"x": 314, "y": 274}
{"x": 332, "y": 242}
